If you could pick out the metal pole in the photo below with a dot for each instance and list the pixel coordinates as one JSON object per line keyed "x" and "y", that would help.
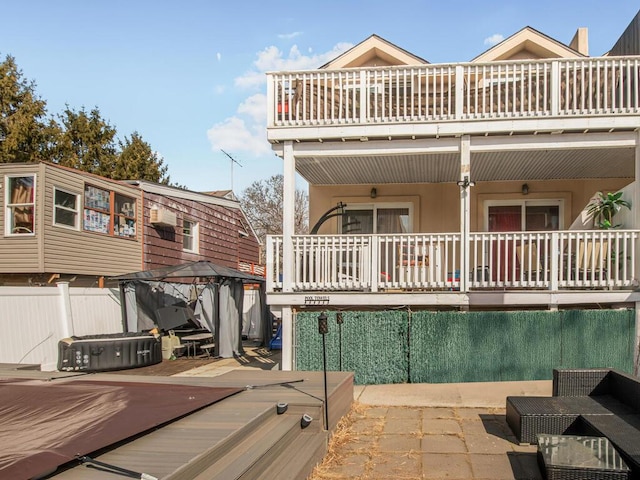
{"x": 324, "y": 369}
{"x": 323, "y": 329}
{"x": 340, "y": 344}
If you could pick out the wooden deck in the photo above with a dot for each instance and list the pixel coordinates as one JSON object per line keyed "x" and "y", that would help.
{"x": 238, "y": 437}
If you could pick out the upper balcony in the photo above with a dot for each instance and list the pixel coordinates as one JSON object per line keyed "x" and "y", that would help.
{"x": 521, "y": 96}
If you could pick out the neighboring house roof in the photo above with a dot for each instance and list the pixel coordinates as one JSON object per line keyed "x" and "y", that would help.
{"x": 222, "y": 193}
{"x": 527, "y": 43}
{"x": 169, "y": 191}
{"x": 373, "y": 52}
{"x": 72, "y": 170}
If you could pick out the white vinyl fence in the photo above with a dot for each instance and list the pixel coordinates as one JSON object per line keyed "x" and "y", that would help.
{"x": 34, "y": 319}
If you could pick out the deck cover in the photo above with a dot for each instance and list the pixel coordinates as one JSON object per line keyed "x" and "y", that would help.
{"x": 46, "y": 423}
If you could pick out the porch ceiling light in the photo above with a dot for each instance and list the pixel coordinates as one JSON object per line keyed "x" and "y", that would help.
{"x": 525, "y": 189}
{"x": 374, "y": 192}
{"x": 465, "y": 183}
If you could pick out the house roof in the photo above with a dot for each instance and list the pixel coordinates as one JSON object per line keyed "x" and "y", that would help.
{"x": 72, "y": 170}
{"x": 222, "y": 193}
{"x": 374, "y": 51}
{"x": 202, "y": 268}
{"x": 169, "y": 191}
{"x": 527, "y": 43}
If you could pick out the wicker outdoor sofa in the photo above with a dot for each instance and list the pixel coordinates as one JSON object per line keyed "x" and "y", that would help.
{"x": 595, "y": 402}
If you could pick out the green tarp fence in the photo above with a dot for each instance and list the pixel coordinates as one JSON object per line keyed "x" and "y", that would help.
{"x": 400, "y": 346}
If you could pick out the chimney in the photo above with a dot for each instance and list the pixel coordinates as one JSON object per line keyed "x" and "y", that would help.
{"x": 580, "y": 41}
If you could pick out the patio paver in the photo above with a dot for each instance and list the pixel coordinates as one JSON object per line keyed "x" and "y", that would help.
{"x": 421, "y": 443}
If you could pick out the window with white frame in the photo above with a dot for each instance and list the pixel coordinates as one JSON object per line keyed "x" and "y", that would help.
{"x": 66, "y": 208}
{"x": 20, "y": 204}
{"x": 523, "y": 215}
{"x": 190, "y": 235}
{"x": 377, "y": 218}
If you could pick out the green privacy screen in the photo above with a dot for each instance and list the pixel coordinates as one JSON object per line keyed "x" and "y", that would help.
{"x": 440, "y": 347}
{"x": 374, "y": 345}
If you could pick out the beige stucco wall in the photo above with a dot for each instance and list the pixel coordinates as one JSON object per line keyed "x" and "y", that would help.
{"x": 436, "y": 207}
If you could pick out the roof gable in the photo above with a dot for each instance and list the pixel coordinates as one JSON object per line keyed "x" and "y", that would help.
{"x": 528, "y": 43}
{"x": 375, "y": 51}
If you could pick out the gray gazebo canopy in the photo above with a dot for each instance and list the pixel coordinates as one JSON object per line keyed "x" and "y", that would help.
{"x": 224, "y": 306}
{"x": 202, "y": 268}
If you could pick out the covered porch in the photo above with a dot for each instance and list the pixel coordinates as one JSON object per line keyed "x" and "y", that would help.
{"x": 559, "y": 260}
{"x": 451, "y": 233}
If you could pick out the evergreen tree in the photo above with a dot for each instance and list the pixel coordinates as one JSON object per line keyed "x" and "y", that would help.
{"x": 86, "y": 142}
{"x": 138, "y": 161}
{"x": 24, "y": 130}
{"x": 76, "y": 139}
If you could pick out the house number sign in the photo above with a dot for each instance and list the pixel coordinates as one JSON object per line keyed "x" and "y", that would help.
{"x": 316, "y": 300}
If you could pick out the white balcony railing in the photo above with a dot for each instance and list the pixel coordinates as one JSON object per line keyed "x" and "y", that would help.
{"x": 464, "y": 91}
{"x": 505, "y": 260}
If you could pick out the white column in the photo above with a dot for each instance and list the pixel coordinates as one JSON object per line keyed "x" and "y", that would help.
{"x": 287, "y": 339}
{"x": 66, "y": 318}
{"x": 288, "y": 216}
{"x": 465, "y": 212}
{"x": 635, "y": 211}
{"x": 271, "y": 105}
{"x": 635, "y": 204}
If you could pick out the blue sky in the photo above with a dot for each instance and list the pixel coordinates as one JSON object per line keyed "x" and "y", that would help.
{"x": 189, "y": 75}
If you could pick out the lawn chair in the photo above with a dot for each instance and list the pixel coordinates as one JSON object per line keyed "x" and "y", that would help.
{"x": 592, "y": 260}
{"x": 530, "y": 267}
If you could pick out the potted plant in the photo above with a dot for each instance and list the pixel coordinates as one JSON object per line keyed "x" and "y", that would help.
{"x": 604, "y": 207}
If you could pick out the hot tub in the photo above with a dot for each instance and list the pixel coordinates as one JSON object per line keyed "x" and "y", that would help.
{"x": 101, "y": 353}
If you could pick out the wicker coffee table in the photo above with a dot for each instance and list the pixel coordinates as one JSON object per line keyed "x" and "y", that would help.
{"x": 568, "y": 457}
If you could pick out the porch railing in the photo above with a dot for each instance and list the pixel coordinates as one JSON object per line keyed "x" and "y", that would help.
{"x": 556, "y": 260}
{"x": 463, "y": 91}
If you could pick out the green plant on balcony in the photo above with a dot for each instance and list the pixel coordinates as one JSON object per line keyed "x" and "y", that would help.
{"x": 604, "y": 207}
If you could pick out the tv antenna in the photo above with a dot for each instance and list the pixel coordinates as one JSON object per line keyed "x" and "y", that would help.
{"x": 233, "y": 160}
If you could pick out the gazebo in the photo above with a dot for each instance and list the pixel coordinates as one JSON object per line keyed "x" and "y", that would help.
{"x": 202, "y": 293}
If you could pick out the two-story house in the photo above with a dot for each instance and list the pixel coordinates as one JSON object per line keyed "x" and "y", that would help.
{"x": 456, "y": 189}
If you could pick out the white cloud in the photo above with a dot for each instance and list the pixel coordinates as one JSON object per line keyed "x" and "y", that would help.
{"x": 246, "y": 130}
{"x": 255, "y": 107}
{"x": 494, "y": 39}
{"x": 289, "y": 36}
{"x": 273, "y": 59}
{"x": 234, "y": 135}
{"x": 250, "y": 80}
{"x": 219, "y": 56}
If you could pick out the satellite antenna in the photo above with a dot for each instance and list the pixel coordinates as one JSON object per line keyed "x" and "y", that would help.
{"x": 233, "y": 160}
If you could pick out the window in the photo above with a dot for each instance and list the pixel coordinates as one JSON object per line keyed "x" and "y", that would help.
{"x": 97, "y": 209}
{"x": 528, "y": 216}
{"x": 65, "y": 208}
{"x": 190, "y": 236}
{"x": 124, "y": 220}
{"x": 109, "y": 212}
{"x": 367, "y": 219}
{"x": 20, "y": 205}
